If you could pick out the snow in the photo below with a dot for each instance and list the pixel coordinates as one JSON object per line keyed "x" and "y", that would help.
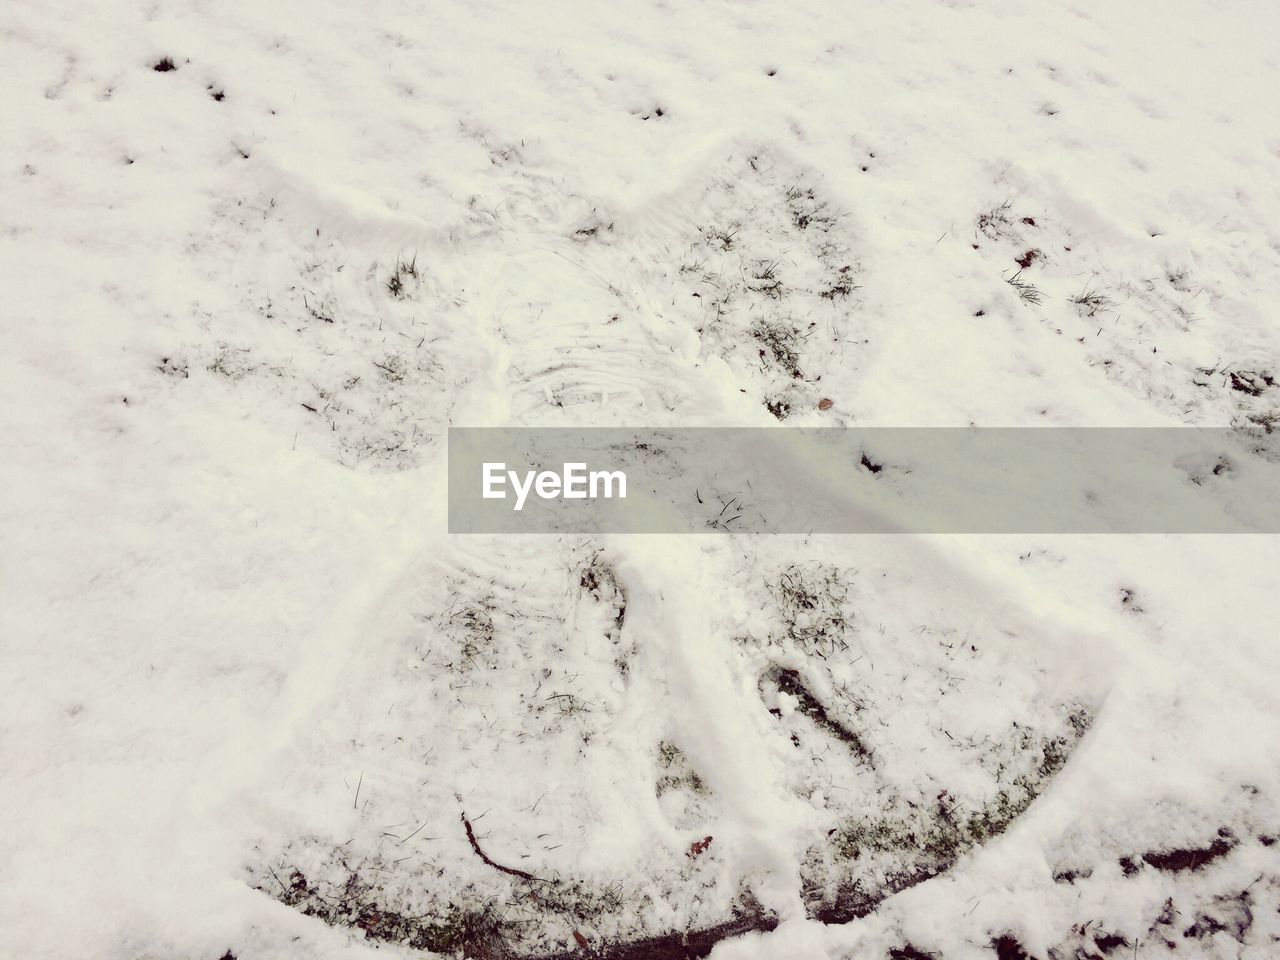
{"x": 244, "y": 298}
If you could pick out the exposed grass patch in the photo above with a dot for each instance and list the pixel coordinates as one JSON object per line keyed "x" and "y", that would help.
{"x": 467, "y": 929}
{"x": 473, "y": 627}
{"x": 405, "y": 270}
{"x": 889, "y": 853}
{"x": 780, "y": 342}
{"x": 840, "y": 287}
{"x": 806, "y": 210}
{"x": 813, "y": 601}
{"x": 1027, "y": 292}
{"x": 392, "y": 367}
{"x": 232, "y": 362}
{"x": 996, "y": 222}
{"x": 676, "y": 770}
{"x": 765, "y": 280}
{"x": 722, "y": 238}
{"x": 1090, "y": 300}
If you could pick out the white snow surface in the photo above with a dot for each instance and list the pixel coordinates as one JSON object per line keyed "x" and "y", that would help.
{"x": 243, "y": 299}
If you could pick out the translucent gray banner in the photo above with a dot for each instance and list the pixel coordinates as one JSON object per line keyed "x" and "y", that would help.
{"x": 874, "y": 480}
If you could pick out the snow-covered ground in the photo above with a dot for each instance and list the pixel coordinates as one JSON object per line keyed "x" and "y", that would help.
{"x": 256, "y": 258}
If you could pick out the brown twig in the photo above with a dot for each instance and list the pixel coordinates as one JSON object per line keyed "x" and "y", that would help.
{"x": 475, "y": 845}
